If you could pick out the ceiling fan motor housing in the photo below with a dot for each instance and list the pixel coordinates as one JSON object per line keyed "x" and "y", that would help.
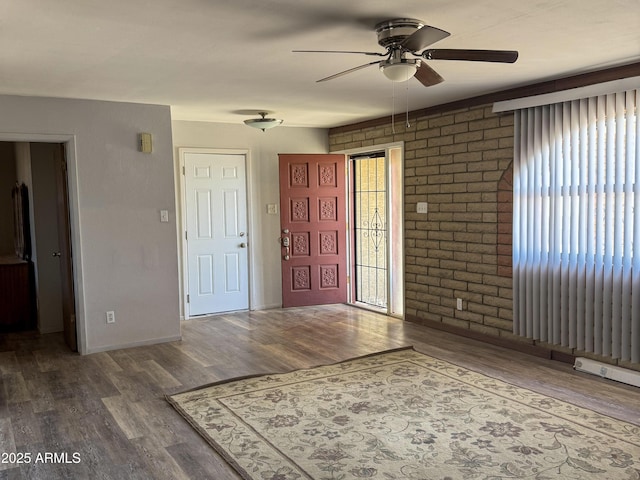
{"x": 393, "y": 32}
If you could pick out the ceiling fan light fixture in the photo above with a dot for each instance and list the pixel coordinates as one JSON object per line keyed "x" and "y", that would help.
{"x": 399, "y": 70}
{"x": 263, "y": 123}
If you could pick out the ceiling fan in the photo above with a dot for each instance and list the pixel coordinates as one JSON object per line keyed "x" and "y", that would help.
{"x": 403, "y": 36}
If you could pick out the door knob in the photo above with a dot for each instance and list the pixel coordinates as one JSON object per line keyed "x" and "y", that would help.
{"x": 243, "y": 245}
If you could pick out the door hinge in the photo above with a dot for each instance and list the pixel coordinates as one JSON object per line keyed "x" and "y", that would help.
{"x": 183, "y": 170}
{"x": 188, "y": 298}
{"x": 186, "y": 235}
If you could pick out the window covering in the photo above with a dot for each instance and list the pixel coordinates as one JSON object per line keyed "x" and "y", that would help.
{"x": 576, "y": 224}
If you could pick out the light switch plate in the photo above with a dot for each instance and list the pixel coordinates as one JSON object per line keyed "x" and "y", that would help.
{"x": 272, "y": 208}
{"x": 422, "y": 207}
{"x": 164, "y": 216}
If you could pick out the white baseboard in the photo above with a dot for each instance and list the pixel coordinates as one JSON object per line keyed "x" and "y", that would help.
{"x": 612, "y": 372}
{"x": 267, "y": 306}
{"x": 144, "y": 343}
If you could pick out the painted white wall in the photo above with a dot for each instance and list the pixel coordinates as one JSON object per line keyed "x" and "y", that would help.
{"x": 125, "y": 259}
{"x": 262, "y": 173}
{"x": 23, "y": 163}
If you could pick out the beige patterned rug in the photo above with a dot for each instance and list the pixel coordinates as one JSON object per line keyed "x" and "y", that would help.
{"x": 404, "y": 415}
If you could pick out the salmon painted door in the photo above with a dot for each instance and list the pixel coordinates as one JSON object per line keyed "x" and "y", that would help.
{"x": 313, "y": 229}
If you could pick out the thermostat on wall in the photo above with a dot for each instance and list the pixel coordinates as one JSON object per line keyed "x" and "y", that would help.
{"x": 144, "y": 143}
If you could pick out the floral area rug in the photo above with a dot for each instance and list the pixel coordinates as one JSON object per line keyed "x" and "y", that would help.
{"x": 404, "y": 415}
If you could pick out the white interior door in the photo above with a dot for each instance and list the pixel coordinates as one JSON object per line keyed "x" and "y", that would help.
{"x": 216, "y": 218}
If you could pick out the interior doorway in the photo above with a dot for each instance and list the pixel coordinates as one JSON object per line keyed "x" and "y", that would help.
{"x": 376, "y": 229}
{"x": 39, "y": 170}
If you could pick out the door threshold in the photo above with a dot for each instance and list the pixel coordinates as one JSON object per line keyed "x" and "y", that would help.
{"x": 215, "y": 314}
{"x": 368, "y": 306}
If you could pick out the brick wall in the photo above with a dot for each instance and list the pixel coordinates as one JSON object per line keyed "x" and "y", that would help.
{"x": 460, "y": 163}
{"x": 505, "y": 224}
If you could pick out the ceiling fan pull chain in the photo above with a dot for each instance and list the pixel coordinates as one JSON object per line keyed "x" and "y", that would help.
{"x": 393, "y": 108}
{"x": 407, "y": 97}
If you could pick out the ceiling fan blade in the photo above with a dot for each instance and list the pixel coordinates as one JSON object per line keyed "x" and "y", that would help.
{"x": 427, "y": 76}
{"x": 377, "y": 54}
{"x": 501, "y": 56}
{"x": 422, "y": 38}
{"x": 340, "y": 74}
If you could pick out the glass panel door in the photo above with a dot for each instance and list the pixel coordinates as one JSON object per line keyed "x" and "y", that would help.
{"x": 370, "y": 230}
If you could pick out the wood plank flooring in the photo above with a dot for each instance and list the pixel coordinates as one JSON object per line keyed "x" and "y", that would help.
{"x": 109, "y": 408}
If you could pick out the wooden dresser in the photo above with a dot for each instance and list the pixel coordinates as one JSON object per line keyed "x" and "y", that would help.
{"x": 15, "y": 297}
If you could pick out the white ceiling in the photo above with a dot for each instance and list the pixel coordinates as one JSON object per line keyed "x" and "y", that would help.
{"x": 221, "y": 61}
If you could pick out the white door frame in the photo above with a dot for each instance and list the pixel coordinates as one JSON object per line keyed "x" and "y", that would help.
{"x": 184, "y": 273}
{"x": 386, "y": 147}
{"x": 69, "y": 141}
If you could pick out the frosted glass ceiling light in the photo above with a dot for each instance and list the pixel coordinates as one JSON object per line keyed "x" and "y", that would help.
{"x": 399, "y": 69}
{"x": 263, "y": 123}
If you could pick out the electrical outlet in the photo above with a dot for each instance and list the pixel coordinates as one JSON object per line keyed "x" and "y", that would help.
{"x": 111, "y": 317}
{"x": 459, "y": 303}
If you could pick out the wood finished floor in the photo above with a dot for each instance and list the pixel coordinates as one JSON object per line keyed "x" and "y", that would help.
{"x": 109, "y": 408}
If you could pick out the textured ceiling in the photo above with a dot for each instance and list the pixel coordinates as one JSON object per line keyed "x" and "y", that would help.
{"x": 223, "y": 61}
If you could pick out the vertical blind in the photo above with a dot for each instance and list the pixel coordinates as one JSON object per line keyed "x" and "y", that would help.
{"x": 576, "y": 223}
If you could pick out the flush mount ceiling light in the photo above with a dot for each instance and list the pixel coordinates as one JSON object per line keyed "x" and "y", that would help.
{"x": 399, "y": 70}
{"x": 263, "y": 123}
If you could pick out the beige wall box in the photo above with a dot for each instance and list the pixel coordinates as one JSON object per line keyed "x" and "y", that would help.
{"x": 144, "y": 143}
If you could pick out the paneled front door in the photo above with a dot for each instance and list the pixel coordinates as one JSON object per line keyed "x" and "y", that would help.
{"x": 313, "y": 229}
